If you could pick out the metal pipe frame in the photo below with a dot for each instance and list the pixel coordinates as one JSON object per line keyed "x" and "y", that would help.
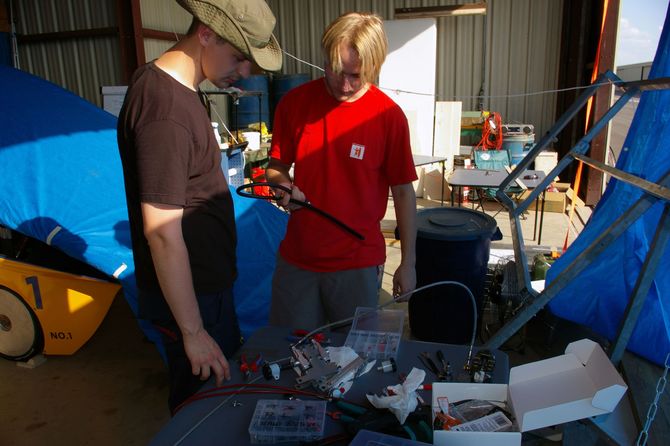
{"x": 517, "y": 209}
{"x": 597, "y": 247}
{"x": 533, "y": 302}
{"x": 642, "y": 286}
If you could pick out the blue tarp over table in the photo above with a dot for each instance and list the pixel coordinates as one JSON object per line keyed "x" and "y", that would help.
{"x": 599, "y": 295}
{"x": 62, "y": 181}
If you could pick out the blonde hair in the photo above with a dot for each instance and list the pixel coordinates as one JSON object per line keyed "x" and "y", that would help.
{"x": 363, "y": 32}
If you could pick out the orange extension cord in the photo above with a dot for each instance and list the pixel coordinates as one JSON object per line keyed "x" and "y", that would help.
{"x": 492, "y": 136}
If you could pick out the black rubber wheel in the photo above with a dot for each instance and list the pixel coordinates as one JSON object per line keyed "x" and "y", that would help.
{"x": 21, "y": 335}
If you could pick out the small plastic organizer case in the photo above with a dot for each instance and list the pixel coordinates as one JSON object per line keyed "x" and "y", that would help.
{"x": 277, "y": 421}
{"x": 375, "y": 334}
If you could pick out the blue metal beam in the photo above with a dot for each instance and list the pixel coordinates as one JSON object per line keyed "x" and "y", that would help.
{"x": 597, "y": 247}
{"x": 641, "y": 290}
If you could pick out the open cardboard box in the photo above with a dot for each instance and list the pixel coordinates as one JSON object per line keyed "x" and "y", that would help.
{"x": 579, "y": 384}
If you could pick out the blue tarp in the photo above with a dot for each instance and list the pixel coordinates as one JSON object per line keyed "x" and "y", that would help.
{"x": 599, "y": 295}
{"x": 62, "y": 181}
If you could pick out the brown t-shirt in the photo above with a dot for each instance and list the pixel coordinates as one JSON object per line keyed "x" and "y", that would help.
{"x": 170, "y": 156}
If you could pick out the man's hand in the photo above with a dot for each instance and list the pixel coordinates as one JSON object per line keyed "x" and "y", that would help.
{"x": 283, "y": 197}
{"x": 404, "y": 281}
{"x": 206, "y": 357}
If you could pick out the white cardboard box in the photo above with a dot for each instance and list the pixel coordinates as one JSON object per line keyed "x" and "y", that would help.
{"x": 579, "y": 384}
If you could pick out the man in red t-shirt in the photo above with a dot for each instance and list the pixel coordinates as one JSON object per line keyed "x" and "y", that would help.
{"x": 347, "y": 143}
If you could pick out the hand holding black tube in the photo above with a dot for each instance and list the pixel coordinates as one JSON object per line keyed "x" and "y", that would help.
{"x": 284, "y": 198}
{"x": 295, "y": 198}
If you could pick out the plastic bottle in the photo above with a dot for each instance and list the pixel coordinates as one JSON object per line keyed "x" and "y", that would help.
{"x": 217, "y": 135}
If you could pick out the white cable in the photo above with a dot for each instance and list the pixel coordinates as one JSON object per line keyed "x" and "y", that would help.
{"x": 516, "y": 95}
{"x": 202, "y": 420}
{"x": 535, "y": 93}
{"x": 219, "y": 116}
{"x": 174, "y": 31}
{"x": 226, "y": 127}
{"x": 397, "y": 91}
{"x": 303, "y": 61}
{"x": 401, "y": 297}
{"x": 343, "y": 321}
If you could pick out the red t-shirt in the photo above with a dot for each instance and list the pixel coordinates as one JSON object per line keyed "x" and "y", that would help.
{"x": 346, "y": 155}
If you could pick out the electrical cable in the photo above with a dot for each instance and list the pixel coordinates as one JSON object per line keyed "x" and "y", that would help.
{"x": 244, "y": 386}
{"x": 209, "y": 414}
{"x": 492, "y": 136}
{"x": 303, "y": 61}
{"x": 258, "y": 389}
{"x": 223, "y": 123}
{"x": 305, "y": 204}
{"x": 445, "y": 98}
{"x": 267, "y": 389}
{"x": 400, "y": 298}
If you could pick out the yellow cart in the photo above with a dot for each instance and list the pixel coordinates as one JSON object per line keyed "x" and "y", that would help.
{"x": 43, "y": 310}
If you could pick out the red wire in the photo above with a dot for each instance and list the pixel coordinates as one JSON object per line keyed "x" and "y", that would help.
{"x": 263, "y": 388}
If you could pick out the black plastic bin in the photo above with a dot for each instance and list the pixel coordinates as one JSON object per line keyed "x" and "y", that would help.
{"x": 452, "y": 244}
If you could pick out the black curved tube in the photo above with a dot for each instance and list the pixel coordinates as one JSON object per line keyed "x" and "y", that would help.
{"x": 241, "y": 191}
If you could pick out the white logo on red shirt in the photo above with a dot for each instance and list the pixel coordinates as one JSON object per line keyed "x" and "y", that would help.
{"x": 357, "y": 151}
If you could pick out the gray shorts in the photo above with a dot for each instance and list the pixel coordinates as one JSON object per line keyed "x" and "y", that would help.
{"x": 307, "y": 299}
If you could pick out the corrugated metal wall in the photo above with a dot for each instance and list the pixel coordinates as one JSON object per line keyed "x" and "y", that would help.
{"x": 519, "y": 55}
{"x": 162, "y": 15}
{"x": 81, "y": 65}
{"x": 523, "y": 58}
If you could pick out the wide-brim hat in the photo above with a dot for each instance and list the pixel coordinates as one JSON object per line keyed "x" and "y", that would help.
{"x": 245, "y": 24}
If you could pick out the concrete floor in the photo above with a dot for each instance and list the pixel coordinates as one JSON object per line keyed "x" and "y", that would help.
{"x": 113, "y": 391}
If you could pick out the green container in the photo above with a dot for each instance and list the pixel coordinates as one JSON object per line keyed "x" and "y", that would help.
{"x": 541, "y": 263}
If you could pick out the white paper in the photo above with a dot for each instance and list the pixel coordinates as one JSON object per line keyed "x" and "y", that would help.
{"x": 404, "y": 400}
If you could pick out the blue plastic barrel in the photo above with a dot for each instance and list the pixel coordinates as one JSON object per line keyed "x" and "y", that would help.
{"x": 451, "y": 244}
{"x": 518, "y": 146}
{"x": 283, "y": 83}
{"x": 250, "y": 109}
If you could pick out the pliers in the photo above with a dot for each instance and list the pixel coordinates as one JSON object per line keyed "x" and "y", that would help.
{"x": 357, "y": 417}
{"x": 347, "y": 412}
{"x": 442, "y": 375}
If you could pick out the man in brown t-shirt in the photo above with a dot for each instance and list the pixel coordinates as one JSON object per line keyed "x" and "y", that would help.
{"x": 179, "y": 205}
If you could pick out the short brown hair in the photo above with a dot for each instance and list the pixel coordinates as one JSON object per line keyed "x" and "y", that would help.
{"x": 363, "y": 32}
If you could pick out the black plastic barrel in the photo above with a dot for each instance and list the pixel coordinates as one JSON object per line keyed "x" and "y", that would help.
{"x": 452, "y": 244}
